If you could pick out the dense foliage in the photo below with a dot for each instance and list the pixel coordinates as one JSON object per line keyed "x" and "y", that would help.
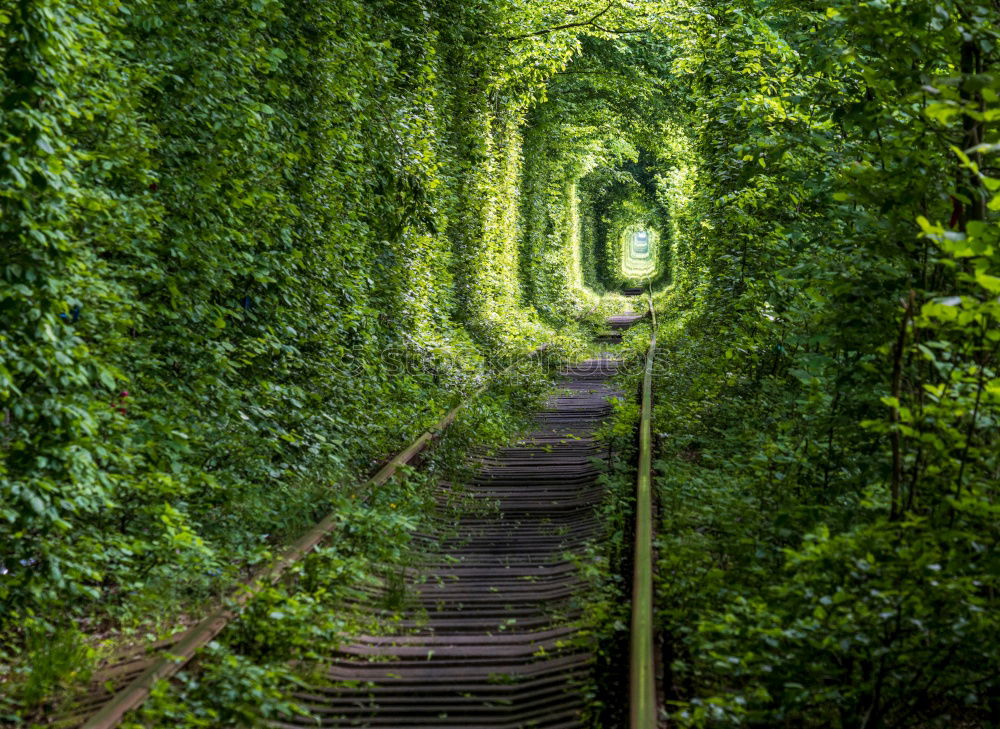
{"x": 828, "y": 395}
{"x": 225, "y": 225}
{"x": 821, "y": 177}
{"x": 249, "y": 249}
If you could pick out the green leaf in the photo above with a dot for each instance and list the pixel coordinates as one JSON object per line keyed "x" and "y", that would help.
{"x": 990, "y": 283}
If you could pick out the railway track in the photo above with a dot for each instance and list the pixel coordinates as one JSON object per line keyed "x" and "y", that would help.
{"x": 490, "y": 641}
{"x": 618, "y": 324}
{"x": 490, "y": 637}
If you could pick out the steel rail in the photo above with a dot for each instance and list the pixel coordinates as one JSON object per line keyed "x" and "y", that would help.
{"x": 174, "y": 658}
{"x": 642, "y": 686}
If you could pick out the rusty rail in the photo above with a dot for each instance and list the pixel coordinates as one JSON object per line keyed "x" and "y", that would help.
{"x": 175, "y": 657}
{"x": 491, "y": 634}
{"x": 642, "y": 686}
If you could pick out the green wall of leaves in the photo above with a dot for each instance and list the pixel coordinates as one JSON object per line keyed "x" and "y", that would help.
{"x": 827, "y": 371}
{"x": 218, "y": 218}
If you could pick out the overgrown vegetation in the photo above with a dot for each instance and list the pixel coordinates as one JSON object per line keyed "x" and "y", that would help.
{"x": 350, "y": 585}
{"x": 827, "y": 388}
{"x": 249, "y": 250}
{"x": 827, "y": 382}
{"x": 224, "y": 224}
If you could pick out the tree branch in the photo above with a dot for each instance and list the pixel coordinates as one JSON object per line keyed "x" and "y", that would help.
{"x": 580, "y": 24}
{"x": 621, "y": 31}
{"x": 594, "y": 73}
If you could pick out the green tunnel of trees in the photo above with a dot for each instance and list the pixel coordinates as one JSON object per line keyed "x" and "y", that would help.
{"x": 218, "y": 217}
